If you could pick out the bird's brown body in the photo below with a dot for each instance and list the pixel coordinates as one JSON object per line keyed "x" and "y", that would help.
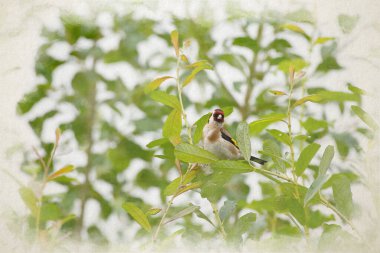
{"x": 219, "y": 141}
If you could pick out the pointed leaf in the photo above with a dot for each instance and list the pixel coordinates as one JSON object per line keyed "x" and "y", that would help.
{"x": 137, "y": 215}
{"x": 157, "y": 142}
{"x": 173, "y": 186}
{"x": 188, "y": 187}
{"x": 365, "y": 117}
{"x": 314, "y": 188}
{"x": 271, "y": 148}
{"x": 280, "y": 136}
{"x": 200, "y": 123}
{"x": 60, "y": 172}
{"x": 193, "y": 154}
{"x": 29, "y": 199}
{"x": 322, "y": 40}
{"x": 155, "y": 84}
{"x": 312, "y": 98}
{"x": 184, "y": 212}
{"x": 227, "y": 110}
{"x": 229, "y": 166}
{"x": 242, "y": 134}
{"x": 343, "y": 195}
{"x": 295, "y": 29}
{"x": 305, "y": 157}
{"x": 277, "y": 92}
{"x": 153, "y": 211}
{"x": 175, "y": 43}
{"x": 227, "y": 209}
{"x": 257, "y": 126}
{"x": 166, "y": 99}
{"x": 347, "y": 23}
{"x": 195, "y": 71}
{"x": 201, "y": 215}
{"x": 173, "y": 126}
{"x": 326, "y": 160}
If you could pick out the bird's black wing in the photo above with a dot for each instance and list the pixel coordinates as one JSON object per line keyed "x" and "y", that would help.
{"x": 229, "y": 139}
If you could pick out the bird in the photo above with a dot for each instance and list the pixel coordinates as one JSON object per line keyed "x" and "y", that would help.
{"x": 217, "y": 140}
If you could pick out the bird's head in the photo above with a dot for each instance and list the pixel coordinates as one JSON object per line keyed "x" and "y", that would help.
{"x": 217, "y": 116}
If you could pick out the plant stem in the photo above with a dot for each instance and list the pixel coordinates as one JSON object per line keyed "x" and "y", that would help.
{"x": 41, "y": 190}
{"x": 184, "y": 116}
{"x": 218, "y": 220}
{"x": 163, "y": 217}
{"x": 91, "y": 100}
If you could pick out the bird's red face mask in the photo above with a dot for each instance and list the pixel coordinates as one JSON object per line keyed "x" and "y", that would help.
{"x": 218, "y": 116}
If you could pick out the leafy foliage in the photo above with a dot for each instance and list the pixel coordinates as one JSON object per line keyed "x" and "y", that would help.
{"x": 108, "y": 135}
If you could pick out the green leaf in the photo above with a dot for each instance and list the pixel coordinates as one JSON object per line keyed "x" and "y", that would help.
{"x": 242, "y": 226}
{"x": 173, "y": 126}
{"x": 365, "y": 117}
{"x": 155, "y": 84}
{"x": 356, "y": 90}
{"x": 182, "y": 213}
{"x": 347, "y": 23}
{"x": 227, "y": 110}
{"x": 200, "y": 123}
{"x": 247, "y": 42}
{"x": 322, "y": 40}
{"x": 193, "y": 154}
{"x": 32, "y": 98}
{"x": 166, "y": 99}
{"x": 157, "y": 142}
{"x": 314, "y": 188}
{"x": 338, "y": 96}
{"x": 201, "y": 215}
{"x": 60, "y": 172}
{"x": 311, "y": 125}
{"x": 244, "y": 142}
{"x": 328, "y": 64}
{"x": 343, "y": 196}
{"x": 345, "y": 142}
{"x": 316, "y": 98}
{"x": 305, "y": 157}
{"x": 29, "y": 199}
{"x": 188, "y": 187}
{"x": 327, "y": 157}
{"x": 76, "y": 27}
{"x": 280, "y": 45}
{"x": 227, "y": 209}
{"x": 137, "y": 215}
{"x": 297, "y": 63}
{"x": 296, "y": 29}
{"x": 153, "y": 211}
{"x": 271, "y": 149}
{"x": 175, "y": 41}
{"x": 257, "y": 126}
{"x": 50, "y": 211}
{"x": 195, "y": 71}
{"x": 277, "y": 92}
{"x": 301, "y": 15}
{"x": 173, "y": 186}
{"x": 280, "y": 136}
{"x": 228, "y": 166}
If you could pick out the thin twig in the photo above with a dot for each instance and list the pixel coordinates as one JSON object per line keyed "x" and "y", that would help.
{"x": 163, "y": 217}
{"x": 218, "y": 220}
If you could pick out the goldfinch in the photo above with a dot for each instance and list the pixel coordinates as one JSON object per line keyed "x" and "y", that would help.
{"x": 218, "y": 140}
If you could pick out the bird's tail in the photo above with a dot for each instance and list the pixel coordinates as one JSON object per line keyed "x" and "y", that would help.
{"x": 258, "y": 160}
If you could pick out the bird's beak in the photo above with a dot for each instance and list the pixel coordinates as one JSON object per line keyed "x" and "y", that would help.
{"x": 220, "y": 116}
